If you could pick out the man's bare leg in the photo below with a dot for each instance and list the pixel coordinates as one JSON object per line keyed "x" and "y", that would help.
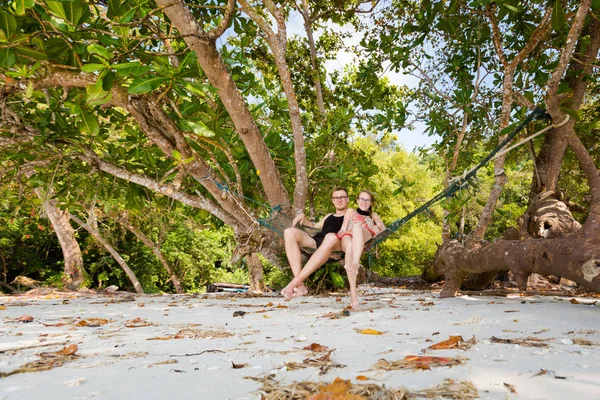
{"x": 320, "y": 256}
{"x": 295, "y": 238}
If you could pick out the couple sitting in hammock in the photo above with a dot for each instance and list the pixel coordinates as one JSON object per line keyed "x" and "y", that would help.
{"x": 347, "y": 230}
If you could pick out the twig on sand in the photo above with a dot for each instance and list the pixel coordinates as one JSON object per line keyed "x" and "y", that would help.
{"x": 4, "y": 349}
{"x": 196, "y": 354}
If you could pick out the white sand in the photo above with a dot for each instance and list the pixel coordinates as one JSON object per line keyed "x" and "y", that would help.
{"x": 117, "y": 362}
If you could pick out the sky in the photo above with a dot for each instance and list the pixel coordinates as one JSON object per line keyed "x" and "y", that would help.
{"x": 409, "y": 139}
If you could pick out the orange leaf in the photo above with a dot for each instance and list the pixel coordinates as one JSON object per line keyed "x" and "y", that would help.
{"x": 269, "y": 304}
{"x": 281, "y": 306}
{"x": 362, "y": 378}
{"x": 25, "y": 318}
{"x": 92, "y": 322}
{"x": 451, "y": 343}
{"x": 67, "y": 351}
{"x": 371, "y": 332}
{"x": 317, "y": 348}
{"x": 424, "y": 362}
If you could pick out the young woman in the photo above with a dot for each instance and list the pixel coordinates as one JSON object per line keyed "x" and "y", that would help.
{"x": 359, "y": 226}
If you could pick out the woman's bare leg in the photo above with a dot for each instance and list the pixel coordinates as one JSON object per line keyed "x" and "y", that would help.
{"x": 359, "y": 236}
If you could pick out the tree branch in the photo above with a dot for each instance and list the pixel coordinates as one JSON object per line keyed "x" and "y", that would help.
{"x": 166, "y": 189}
{"x": 567, "y": 53}
{"x": 224, "y": 24}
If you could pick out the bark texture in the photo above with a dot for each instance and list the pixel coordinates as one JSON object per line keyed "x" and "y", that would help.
{"x": 74, "y": 275}
{"x": 255, "y": 270}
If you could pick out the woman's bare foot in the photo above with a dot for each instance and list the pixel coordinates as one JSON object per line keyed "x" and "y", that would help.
{"x": 354, "y": 304}
{"x": 288, "y": 292}
{"x": 300, "y": 291}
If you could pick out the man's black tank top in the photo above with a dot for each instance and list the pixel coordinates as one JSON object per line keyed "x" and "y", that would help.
{"x": 332, "y": 224}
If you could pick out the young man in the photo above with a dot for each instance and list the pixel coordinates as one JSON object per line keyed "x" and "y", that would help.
{"x": 325, "y": 242}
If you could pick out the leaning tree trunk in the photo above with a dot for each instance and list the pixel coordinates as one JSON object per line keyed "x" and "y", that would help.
{"x": 204, "y": 44}
{"x": 96, "y": 235}
{"x": 73, "y": 277}
{"x": 155, "y": 249}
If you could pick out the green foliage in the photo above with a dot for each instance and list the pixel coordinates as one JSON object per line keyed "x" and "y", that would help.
{"x": 197, "y": 254}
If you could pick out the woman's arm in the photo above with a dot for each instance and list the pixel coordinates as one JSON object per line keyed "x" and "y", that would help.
{"x": 378, "y": 223}
{"x": 347, "y": 216}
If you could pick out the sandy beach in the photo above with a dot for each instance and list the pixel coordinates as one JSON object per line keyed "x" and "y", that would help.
{"x": 223, "y": 346}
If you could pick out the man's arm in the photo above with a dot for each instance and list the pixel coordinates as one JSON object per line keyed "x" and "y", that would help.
{"x": 306, "y": 222}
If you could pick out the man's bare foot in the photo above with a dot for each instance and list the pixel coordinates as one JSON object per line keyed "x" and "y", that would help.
{"x": 300, "y": 291}
{"x": 288, "y": 292}
{"x": 354, "y": 304}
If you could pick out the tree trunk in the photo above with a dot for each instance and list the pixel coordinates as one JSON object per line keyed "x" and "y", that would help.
{"x": 255, "y": 270}
{"x": 155, "y": 249}
{"x": 96, "y": 235}
{"x": 313, "y": 57}
{"x": 576, "y": 257}
{"x": 74, "y": 275}
{"x": 278, "y": 43}
{"x": 213, "y": 66}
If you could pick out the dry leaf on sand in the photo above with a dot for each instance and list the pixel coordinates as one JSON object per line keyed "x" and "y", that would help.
{"x": 454, "y": 342}
{"x": 369, "y": 331}
{"x": 418, "y": 362}
{"x": 137, "y": 323}
{"x": 527, "y": 342}
{"x": 315, "y": 347}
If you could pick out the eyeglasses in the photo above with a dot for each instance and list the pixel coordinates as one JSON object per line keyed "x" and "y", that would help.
{"x": 337, "y": 198}
{"x": 364, "y": 200}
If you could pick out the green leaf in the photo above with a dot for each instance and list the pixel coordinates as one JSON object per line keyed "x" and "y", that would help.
{"x": 573, "y": 113}
{"x": 93, "y": 67}
{"x": 107, "y": 80}
{"x": 31, "y": 53}
{"x": 96, "y": 95}
{"x": 337, "y": 279}
{"x": 558, "y": 16}
{"x": 115, "y": 9}
{"x": 511, "y": 8}
{"x": 197, "y": 127}
{"x": 7, "y": 57}
{"x": 8, "y": 24}
{"x": 99, "y": 50}
{"x": 89, "y": 123}
{"x": 128, "y": 16}
{"x": 145, "y": 85}
{"x": 177, "y": 155}
{"x": 56, "y": 7}
{"x": 29, "y": 90}
{"x": 133, "y": 68}
{"x": 595, "y": 124}
{"x": 21, "y": 6}
{"x": 200, "y": 88}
